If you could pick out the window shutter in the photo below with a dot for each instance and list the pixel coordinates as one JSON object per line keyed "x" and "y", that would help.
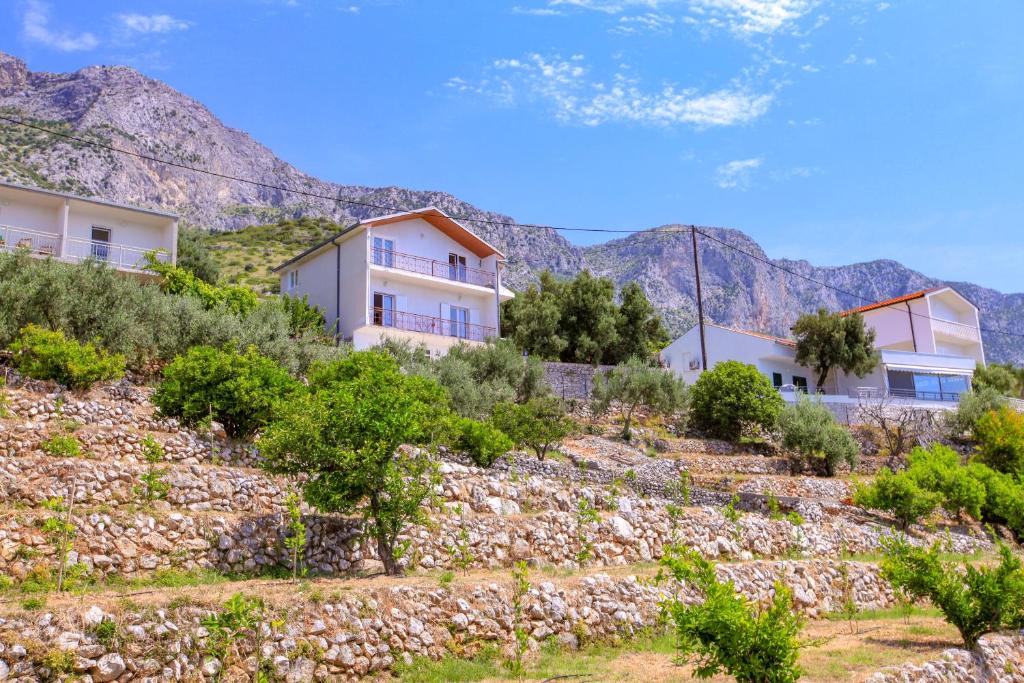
{"x": 446, "y": 311}
{"x": 402, "y": 303}
{"x": 474, "y": 316}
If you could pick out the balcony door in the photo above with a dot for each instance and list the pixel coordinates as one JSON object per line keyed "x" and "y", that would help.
{"x": 383, "y": 309}
{"x": 383, "y": 252}
{"x": 456, "y": 267}
{"x": 99, "y": 245}
{"x": 458, "y": 319}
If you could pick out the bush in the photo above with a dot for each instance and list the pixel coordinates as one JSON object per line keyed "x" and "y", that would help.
{"x": 237, "y": 390}
{"x": 976, "y": 600}
{"x": 302, "y": 317}
{"x": 636, "y": 384}
{"x": 1000, "y": 436}
{"x": 810, "y": 431}
{"x": 973, "y": 405}
{"x": 481, "y": 441}
{"x": 723, "y": 632}
{"x": 939, "y": 470}
{"x": 1004, "y": 497}
{"x": 44, "y": 354}
{"x": 177, "y": 280}
{"x": 539, "y": 424}
{"x": 732, "y": 397}
{"x": 61, "y": 447}
{"x": 899, "y": 495}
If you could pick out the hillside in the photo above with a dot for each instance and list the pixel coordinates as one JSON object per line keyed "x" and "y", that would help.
{"x": 121, "y": 106}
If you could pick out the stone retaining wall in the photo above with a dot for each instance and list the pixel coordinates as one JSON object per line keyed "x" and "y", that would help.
{"x": 997, "y": 658}
{"x": 572, "y": 380}
{"x": 355, "y": 633}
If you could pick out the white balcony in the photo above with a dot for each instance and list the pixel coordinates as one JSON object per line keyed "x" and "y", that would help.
{"x": 42, "y": 244}
{"x": 956, "y": 331}
{"x": 420, "y": 266}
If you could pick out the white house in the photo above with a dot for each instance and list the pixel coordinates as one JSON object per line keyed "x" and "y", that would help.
{"x": 929, "y": 343}
{"x": 416, "y": 275}
{"x": 64, "y": 226}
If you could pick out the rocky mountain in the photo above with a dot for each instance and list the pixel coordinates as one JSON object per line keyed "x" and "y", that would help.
{"x": 121, "y": 107}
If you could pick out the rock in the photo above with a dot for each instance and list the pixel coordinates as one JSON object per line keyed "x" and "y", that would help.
{"x": 108, "y": 668}
{"x": 93, "y": 616}
{"x": 621, "y": 529}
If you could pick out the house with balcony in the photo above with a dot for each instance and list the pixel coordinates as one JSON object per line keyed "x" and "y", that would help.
{"x": 929, "y": 344}
{"x": 418, "y": 275}
{"x": 50, "y": 224}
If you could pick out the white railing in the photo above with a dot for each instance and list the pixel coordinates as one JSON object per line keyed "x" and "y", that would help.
{"x": 36, "y": 242}
{"x": 119, "y": 256}
{"x": 957, "y": 330}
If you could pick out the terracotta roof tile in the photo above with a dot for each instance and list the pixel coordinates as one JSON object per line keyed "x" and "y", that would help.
{"x": 889, "y": 302}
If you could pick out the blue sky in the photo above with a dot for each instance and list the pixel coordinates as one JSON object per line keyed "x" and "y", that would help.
{"x": 831, "y": 130}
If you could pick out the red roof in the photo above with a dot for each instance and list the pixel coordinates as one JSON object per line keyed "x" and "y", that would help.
{"x": 889, "y": 302}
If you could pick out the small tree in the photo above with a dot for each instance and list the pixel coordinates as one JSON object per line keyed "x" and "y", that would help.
{"x": 899, "y": 495}
{"x": 482, "y": 441}
{"x": 539, "y": 424}
{"x": 635, "y": 384}
{"x": 939, "y": 470}
{"x": 238, "y": 390}
{"x": 46, "y": 354}
{"x": 345, "y": 437}
{"x": 723, "y": 632}
{"x": 831, "y": 340}
{"x": 295, "y": 540}
{"x": 810, "y": 430}
{"x": 976, "y": 600}
{"x": 960, "y": 423}
{"x": 1004, "y": 379}
{"x": 152, "y": 485}
{"x": 733, "y": 396}
{"x": 1000, "y": 436}
{"x": 899, "y": 424}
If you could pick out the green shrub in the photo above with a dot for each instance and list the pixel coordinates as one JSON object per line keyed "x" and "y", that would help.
{"x": 177, "y": 280}
{"x": 1000, "y": 436}
{"x": 478, "y": 377}
{"x": 723, "y": 632}
{"x": 818, "y": 442}
{"x": 61, "y": 446}
{"x": 939, "y": 470}
{"x": 238, "y": 390}
{"x": 481, "y": 441}
{"x": 637, "y": 384}
{"x": 732, "y": 397}
{"x": 1004, "y": 497}
{"x": 303, "y": 318}
{"x": 539, "y": 424}
{"x": 899, "y": 495}
{"x": 976, "y": 600}
{"x": 4, "y": 412}
{"x": 972, "y": 406}
{"x": 45, "y": 354}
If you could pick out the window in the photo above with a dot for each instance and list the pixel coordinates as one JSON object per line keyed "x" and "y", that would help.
{"x": 800, "y": 383}
{"x": 459, "y": 319}
{"x": 383, "y": 252}
{"x": 99, "y": 247}
{"x": 293, "y": 280}
{"x": 776, "y": 379}
{"x": 456, "y": 267}
{"x": 384, "y": 309}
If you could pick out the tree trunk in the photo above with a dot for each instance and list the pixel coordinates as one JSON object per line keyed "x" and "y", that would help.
{"x": 626, "y": 434}
{"x": 822, "y": 376}
{"x": 385, "y": 545}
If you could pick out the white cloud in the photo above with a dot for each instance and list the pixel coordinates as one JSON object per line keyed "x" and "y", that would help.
{"x": 351, "y": 9}
{"x": 613, "y": 6}
{"x": 537, "y": 11}
{"x": 852, "y": 58}
{"x": 736, "y": 174}
{"x": 35, "y": 26}
{"x": 151, "y": 23}
{"x": 651, "y": 22}
{"x": 566, "y": 86}
{"x": 810, "y": 68}
{"x": 749, "y": 17}
{"x": 882, "y": 6}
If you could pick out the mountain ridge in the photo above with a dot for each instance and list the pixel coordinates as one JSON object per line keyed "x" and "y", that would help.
{"x": 120, "y": 106}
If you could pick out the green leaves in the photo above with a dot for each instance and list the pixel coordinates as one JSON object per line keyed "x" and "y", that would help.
{"x": 975, "y": 599}
{"x": 1000, "y": 436}
{"x": 482, "y": 441}
{"x": 827, "y": 340}
{"x": 732, "y": 397}
{"x": 810, "y": 431}
{"x": 539, "y": 424}
{"x": 636, "y": 384}
{"x": 898, "y": 494}
{"x": 723, "y": 632}
{"x": 45, "y": 354}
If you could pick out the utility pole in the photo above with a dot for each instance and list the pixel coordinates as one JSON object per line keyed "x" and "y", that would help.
{"x": 700, "y": 302}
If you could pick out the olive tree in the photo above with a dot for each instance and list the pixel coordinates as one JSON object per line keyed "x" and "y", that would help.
{"x": 635, "y": 384}
{"x": 831, "y": 340}
{"x": 345, "y": 435}
{"x": 540, "y": 423}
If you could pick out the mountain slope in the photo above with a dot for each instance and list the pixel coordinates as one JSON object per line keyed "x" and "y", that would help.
{"x": 120, "y": 106}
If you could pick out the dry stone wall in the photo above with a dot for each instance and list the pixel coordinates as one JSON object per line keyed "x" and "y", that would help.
{"x": 997, "y": 658}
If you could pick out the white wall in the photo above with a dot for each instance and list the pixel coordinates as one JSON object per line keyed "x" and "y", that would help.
{"x": 31, "y": 210}
{"x": 423, "y": 299}
{"x": 417, "y": 237}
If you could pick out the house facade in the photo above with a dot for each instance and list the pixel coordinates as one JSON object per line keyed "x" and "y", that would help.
{"x": 419, "y": 276}
{"x": 67, "y": 227}
{"x": 929, "y": 344}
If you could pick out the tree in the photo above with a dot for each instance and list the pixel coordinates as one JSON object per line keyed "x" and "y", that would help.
{"x": 731, "y": 397}
{"x": 1004, "y": 378}
{"x": 533, "y": 318}
{"x": 640, "y": 332}
{"x": 589, "y": 318}
{"x": 195, "y": 256}
{"x": 810, "y": 430}
{"x": 345, "y": 436}
{"x": 481, "y": 441}
{"x": 830, "y": 340}
{"x": 636, "y": 384}
{"x": 939, "y": 469}
{"x": 897, "y": 423}
{"x": 976, "y": 600}
{"x": 898, "y": 494}
{"x": 724, "y": 632}
{"x": 478, "y": 377}
{"x": 1000, "y": 436}
{"x": 239, "y": 390}
{"x": 539, "y": 424}
{"x": 960, "y": 423}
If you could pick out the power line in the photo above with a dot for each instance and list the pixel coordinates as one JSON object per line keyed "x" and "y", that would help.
{"x": 510, "y": 224}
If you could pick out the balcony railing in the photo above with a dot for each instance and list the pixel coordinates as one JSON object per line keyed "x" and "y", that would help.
{"x": 428, "y": 266}
{"x": 119, "y": 256}
{"x": 414, "y": 322}
{"x": 952, "y": 396}
{"x": 36, "y": 242}
{"x": 956, "y": 330}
